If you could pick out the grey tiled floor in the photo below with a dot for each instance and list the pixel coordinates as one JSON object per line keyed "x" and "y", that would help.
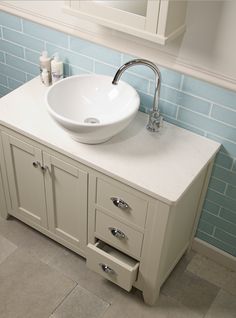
{"x": 40, "y": 278}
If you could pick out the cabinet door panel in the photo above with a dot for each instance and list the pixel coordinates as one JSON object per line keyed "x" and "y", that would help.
{"x": 25, "y": 181}
{"x": 66, "y": 192}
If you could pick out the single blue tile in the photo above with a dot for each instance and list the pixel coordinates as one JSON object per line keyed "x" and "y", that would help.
{"x": 10, "y": 21}
{"x": 22, "y": 65}
{"x": 3, "y": 80}
{"x": 29, "y": 77}
{"x": 137, "y": 82}
{"x": 193, "y": 103}
{"x": 167, "y": 109}
{"x": 228, "y": 147}
{"x": 70, "y": 57}
{"x": 4, "y": 90}
{"x": 209, "y": 91}
{"x": 224, "y": 160}
{"x": 186, "y": 126}
{"x": 13, "y": 84}
{"x": 101, "y": 68}
{"x": 77, "y": 70}
{"x": 2, "y": 57}
{"x": 228, "y": 215}
{"x": 221, "y": 200}
{"x": 217, "y": 185}
{"x": 211, "y": 207}
{"x": 95, "y": 51}
{"x": 11, "y": 48}
{"x": 32, "y": 56}
{"x": 23, "y": 40}
{"x": 168, "y": 77}
{"x": 46, "y": 34}
{"x": 168, "y": 94}
{"x": 223, "y": 114}
{"x": 207, "y": 124}
{"x": 217, "y": 243}
{"x": 205, "y": 227}
{"x": 12, "y": 72}
{"x": 231, "y": 192}
{"x": 146, "y": 100}
{"x": 225, "y": 237}
{"x": 225, "y": 175}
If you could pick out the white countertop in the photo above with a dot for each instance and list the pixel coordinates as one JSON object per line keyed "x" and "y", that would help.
{"x": 161, "y": 164}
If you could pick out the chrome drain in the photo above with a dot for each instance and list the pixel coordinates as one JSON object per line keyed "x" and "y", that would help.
{"x": 92, "y": 120}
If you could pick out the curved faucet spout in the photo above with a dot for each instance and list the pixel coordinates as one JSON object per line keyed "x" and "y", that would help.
{"x": 155, "y": 119}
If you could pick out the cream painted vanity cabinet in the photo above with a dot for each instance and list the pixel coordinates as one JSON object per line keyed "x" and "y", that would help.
{"x": 130, "y": 206}
{"x": 153, "y": 20}
{"x": 39, "y": 180}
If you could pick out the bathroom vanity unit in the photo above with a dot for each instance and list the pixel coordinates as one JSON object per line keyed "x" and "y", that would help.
{"x": 130, "y": 206}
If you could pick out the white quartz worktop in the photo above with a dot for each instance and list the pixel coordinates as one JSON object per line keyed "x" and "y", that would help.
{"x": 161, "y": 164}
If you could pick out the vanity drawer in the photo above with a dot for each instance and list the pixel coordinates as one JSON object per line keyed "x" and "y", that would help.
{"x": 112, "y": 264}
{"x": 122, "y": 201}
{"x": 118, "y": 234}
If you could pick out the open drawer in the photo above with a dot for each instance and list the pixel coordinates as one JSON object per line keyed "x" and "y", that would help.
{"x": 112, "y": 264}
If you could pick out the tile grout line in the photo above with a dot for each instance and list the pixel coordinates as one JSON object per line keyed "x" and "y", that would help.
{"x": 66, "y": 296}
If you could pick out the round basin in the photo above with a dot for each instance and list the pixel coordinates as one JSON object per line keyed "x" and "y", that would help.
{"x": 90, "y": 108}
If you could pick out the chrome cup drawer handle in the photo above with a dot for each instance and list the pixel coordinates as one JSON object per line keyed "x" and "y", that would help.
{"x": 107, "y": 269}
{"x": 117, "y": 233}
{"x": 119, "y": 203}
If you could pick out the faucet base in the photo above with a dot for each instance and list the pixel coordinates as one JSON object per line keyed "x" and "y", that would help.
{"x": 152, "y": 129}
{"x": 154, "y": 122}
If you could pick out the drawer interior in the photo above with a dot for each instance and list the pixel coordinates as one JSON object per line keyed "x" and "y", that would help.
{"x": 112, "y": 264}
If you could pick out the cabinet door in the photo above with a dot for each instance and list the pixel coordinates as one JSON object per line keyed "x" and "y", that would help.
{"x": 26, "y": 183}
{"x": 121, "y": 15}
{"x": 66, "y": 195}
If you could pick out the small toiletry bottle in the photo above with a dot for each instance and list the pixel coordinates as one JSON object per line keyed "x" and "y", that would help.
{"x": 45, "y": 77}
{"x": 45, "y": 62}
{"x": 56, "y": 68}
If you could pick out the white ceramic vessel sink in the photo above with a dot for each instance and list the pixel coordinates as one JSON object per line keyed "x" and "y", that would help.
{"x": 90, "y": 108}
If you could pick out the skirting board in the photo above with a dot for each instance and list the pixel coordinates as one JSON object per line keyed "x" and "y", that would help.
{"x": 214, "y": 253}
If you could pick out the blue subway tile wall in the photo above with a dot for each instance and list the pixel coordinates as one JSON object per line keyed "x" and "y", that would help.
{"x": 193, "y": 104}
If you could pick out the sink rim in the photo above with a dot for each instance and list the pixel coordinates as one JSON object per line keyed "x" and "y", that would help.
{"x": 130, "y": 112}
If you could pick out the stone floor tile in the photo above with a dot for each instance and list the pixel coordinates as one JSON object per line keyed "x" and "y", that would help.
{"x": 130, "y": 305}
{"x": 190, "y": 290}
{"x": 6, "y": 248}
{"x": 74, "y": 267}
{"x": 29, "y": 288}
{"x": 213, "y": 273}
{"x": 224, "y": 306}
{"x": 81, "y": 304}
{"x": 24, "y": 236}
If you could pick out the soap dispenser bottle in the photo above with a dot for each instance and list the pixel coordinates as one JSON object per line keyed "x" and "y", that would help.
{"x": 56, "y": 68}
{"x": 45, "y": 63}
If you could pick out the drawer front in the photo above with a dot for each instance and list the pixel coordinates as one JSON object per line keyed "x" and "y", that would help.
{"x": 118, "y": 234}
{"x": 111, "y": 198}
{"x": 111, "y": 264}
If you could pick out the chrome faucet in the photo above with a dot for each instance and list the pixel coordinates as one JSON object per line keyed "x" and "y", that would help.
{"x": 155, "y": 119}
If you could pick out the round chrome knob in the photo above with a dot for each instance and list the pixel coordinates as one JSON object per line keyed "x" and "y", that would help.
{"x": 119, "y": 203}
{"x": 117, "y": 233}
{"x": 36, "y": 164}
{"x": 44, "y": 168}
{"x": 107, "y": 269}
